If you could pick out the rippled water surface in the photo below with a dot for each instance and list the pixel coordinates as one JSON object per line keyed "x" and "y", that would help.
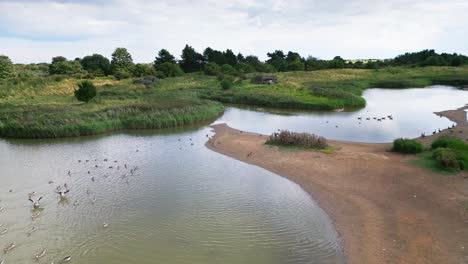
{"x": 412, "y": 111}
{"x": 183, "y": 204}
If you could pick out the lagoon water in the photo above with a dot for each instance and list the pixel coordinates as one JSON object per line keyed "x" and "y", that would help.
{"x": 185, "y": 203}
{"x": 412, "y": 111}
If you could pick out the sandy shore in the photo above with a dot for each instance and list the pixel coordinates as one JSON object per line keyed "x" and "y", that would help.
{"x": 385, "y": 210}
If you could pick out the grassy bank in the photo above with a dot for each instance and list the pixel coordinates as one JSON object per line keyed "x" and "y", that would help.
{"x": 37, "y": 107}
{"x": 53, "y": 112}
{"x": 332, "y": 89}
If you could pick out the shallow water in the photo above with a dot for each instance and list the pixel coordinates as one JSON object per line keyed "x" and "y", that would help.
{"x": 184, "y": 204}
{"x": 412, "y": 111}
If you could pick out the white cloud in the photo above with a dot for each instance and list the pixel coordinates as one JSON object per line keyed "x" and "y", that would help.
{"x": 32, "y": 31}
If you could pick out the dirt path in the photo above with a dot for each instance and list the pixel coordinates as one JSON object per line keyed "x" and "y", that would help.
{"x": 386, "y": 210}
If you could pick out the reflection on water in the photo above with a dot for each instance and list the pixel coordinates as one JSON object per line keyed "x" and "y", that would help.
{"x": 412, "y": 111}
{"x": 183, "y": 204}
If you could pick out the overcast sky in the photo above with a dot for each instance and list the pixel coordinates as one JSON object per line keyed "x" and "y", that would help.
{"x": 36, "y": 30}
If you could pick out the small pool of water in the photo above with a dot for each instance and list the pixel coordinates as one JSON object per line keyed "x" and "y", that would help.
{"x": 412, "y": 111}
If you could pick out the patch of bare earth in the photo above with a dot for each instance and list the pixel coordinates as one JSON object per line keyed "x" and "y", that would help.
{"x": 386, "y": 210}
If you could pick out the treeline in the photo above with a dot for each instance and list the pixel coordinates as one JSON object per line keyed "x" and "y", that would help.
{"x": 213, "y": 62}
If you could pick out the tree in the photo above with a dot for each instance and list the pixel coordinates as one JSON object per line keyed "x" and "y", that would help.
{"x": 121, "y": 61}
{"x": 6, "y": 67}
{"x": 61, "y": 65}
{"x": 230, "y": 57}
{"x": 169, "y": 69}
{"x": 277, "y": 60}
{"x": 96, "y": 64}
{"x": 164, "y": 56}
{"x": 191, "y": 60}
{"x": 142, "y": 69}
{"x": 456, "y": 61}
{"x": 86, "y": 91}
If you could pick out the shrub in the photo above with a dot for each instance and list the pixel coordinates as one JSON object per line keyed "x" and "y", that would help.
{"x": 407, "y": 146}
{"x": 147, "y": 81}
{"x": 227, "y": 83}
{"x": 447, "y": 158}
{"x": 122, "y": 74}
{"x": 168, "y": 69}
{"x": 449, "y": 142}
{"x": 288, "y": 138}
{"x": 212, "y": 69}
{"x": 86, "y": 91}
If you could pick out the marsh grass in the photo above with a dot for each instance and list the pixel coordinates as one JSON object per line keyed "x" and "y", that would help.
{"x": 38, "y": 106}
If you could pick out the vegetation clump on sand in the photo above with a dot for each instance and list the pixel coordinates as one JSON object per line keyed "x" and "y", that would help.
{"x": 446, "y": 155}
{"x": 450, "y": 153}
{"x": 304, "y": 140}
{"x": 407, "y": 146}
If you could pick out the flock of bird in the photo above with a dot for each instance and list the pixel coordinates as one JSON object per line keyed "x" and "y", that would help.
{"x": 62, "y": 192}
{"x": 390, "y": 117}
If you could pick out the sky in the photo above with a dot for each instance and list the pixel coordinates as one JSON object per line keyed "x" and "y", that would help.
{"x": 33, "y": 31}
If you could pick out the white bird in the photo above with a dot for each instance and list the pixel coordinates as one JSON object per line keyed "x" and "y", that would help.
{"x": 40, "y": 254}
{"x": 4, "y": 231}
{"x": 65, "y": 259}
{"x": 9, "y": 248}
{"x": 63, "y": 193}
{"x": 36, "y": 204}
{"x": 33, "y": 229}
{"x": 105, "y": 225}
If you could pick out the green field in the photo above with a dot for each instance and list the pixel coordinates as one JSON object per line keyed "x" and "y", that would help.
{"x": 38, "y": 107}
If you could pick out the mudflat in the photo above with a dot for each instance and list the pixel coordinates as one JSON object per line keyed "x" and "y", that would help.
{"x": 385, "y": 209}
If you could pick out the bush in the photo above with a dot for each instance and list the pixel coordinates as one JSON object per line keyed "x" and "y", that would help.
{"x": 86, "y": 91}
{"x": 288, "y": 138}
{"x": 227, "y": 83}
{"x": 122, "y": 74}
{"x": 168, "y": 69}
{"x": 447, "y": 158}
{"x": 212, "y": 69}
{"x": 448, "y": 142}
{"x": 407, "y": 146}
{"x": 147, "y": 81}
{"x": 456, "y": 147}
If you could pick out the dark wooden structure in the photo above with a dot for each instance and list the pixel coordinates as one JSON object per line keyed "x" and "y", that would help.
{"x": 265, "y": 79}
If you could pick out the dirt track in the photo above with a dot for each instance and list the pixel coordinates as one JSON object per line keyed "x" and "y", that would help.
{"x": 386, "y": 210}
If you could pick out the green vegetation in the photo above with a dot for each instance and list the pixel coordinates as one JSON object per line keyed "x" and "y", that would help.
{"x": 85, "y": 92}
{"x": 6, "y": 67}
{"x": 45, "y": 108}
{"x": 446, "y": 155}
{"x": 450, "y": 153}
{"x": 305, "y": 140}
{"x": 407, "y": 146}
{"x": 187, "y": 89}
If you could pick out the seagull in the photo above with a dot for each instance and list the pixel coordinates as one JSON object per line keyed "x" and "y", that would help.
{"x": 9, "y": 247}
{"x": 35, "y": 203}
{"x": 4, "y": 231}
{"x": 33, "y": 229}
{"x": 65, "y": 259}
{"x": 62, "y": 193}
{"x": 105, "y": 225}
{"x": 40, "y": 254}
